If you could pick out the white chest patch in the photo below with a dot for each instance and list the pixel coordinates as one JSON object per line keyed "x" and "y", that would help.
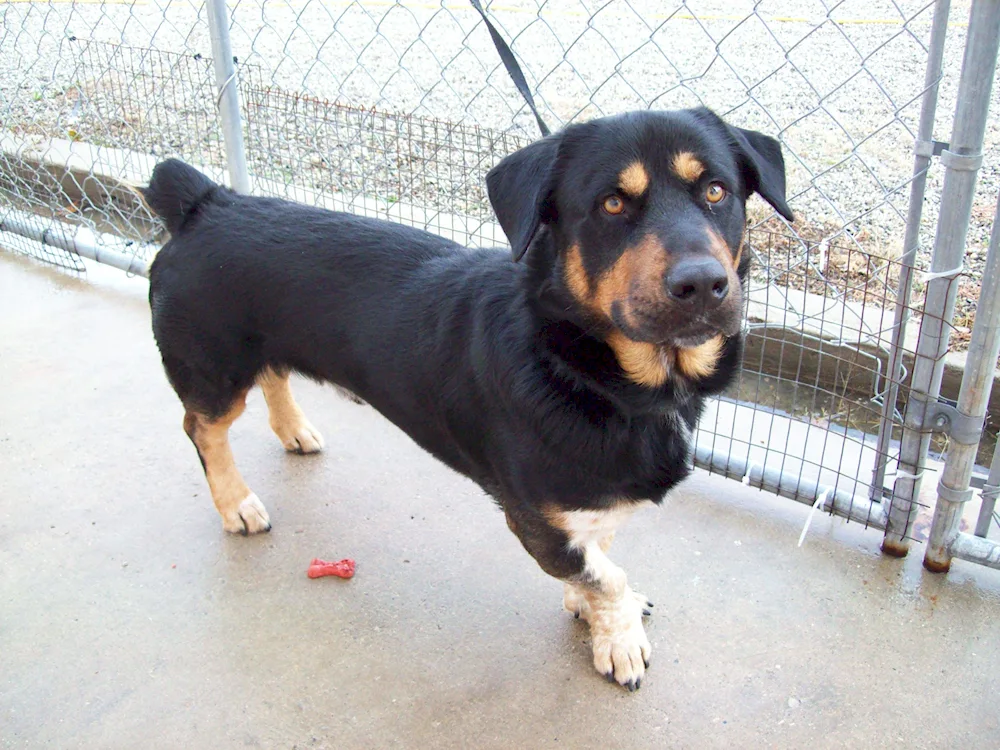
{"x": 587, "y": 527}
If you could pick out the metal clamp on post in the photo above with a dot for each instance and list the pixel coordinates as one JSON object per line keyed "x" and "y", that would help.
{"x": 961, "y": 162}
{"x": 954, "y": 496}
{"x": 928, "y": 149}
{"x": 931, "y": 415}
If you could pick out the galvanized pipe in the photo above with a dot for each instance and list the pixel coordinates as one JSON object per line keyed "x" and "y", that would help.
{"x": 798, "y": 488}
{"x": 961, "y": 160}
{"x": 228, "y": 99}
{"x": 977, "y": 550}
{"x": 923, "y": 152}
{"x": 992, "y": 487}
{"x": 82, "y": 242}
{"x": 973, "y": 399}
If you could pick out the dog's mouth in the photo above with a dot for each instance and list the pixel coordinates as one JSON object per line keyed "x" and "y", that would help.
{"x": 670, "y": 333}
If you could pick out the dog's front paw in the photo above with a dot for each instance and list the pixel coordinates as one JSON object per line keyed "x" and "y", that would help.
{"x": 575, "y": 602}
{"x": 249, "y": 517}
{"x": 621, "y": 648}
{"x": 299, "y": 437}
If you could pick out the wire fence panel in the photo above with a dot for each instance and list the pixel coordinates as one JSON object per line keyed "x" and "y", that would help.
{"x": 398, "y": 109}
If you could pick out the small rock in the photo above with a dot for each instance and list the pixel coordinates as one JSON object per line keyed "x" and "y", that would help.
{"x": 794, "y": 703}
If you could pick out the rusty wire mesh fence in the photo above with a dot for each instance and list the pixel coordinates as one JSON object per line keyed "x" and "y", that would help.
{"x": 397, "y": 108}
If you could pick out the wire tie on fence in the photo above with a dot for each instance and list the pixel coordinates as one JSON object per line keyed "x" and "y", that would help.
{"x": 907, "y": 475}
{"x": 930, "y": 275}
{"x": 222, "y": 89}
{"x": 819, "y": 501}
{"x": 990, "y": 491}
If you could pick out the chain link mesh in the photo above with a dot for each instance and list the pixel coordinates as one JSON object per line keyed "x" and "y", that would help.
{"x": 397, "y": 109}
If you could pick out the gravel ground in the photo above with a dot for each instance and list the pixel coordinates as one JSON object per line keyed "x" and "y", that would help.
{"x": 844, "y": 97}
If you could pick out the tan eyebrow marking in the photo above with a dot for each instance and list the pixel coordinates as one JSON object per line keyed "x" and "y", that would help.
{"x": 633, "y": 180}
{"x": 688, "y": 167}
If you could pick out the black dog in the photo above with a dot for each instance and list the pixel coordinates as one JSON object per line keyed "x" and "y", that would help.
{"x": 567, "y": 386}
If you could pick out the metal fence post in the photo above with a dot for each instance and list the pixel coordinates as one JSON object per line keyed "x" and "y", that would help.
{"x": 961, "y": 160}
{"x": 228, "y": 99}
{"x": 923, "y": 152}
{"x": 973, "y": 400}
{"x": 992, "y": 487}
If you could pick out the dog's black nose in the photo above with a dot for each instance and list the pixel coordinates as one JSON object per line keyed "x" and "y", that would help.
{"x": 698, "y": 282}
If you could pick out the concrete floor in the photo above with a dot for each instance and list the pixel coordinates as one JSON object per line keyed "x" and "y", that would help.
{"x": 129, "y": 619}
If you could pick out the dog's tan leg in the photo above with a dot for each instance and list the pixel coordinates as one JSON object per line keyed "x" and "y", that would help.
{"x": 242, "y": 512}
{"x": 286, "y": 418}
{"x": 571, "y": 546}
{"x": 574, "y": 600}
{"x": 614, "y": 612}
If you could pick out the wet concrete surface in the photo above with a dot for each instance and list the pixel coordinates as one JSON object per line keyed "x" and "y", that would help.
{"x": 129, "y": 619}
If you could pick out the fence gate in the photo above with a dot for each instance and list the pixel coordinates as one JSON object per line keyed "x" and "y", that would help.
{"x": 872, "y": 349}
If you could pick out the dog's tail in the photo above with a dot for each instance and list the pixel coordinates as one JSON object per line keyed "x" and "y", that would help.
{"x": 176, "y": 191}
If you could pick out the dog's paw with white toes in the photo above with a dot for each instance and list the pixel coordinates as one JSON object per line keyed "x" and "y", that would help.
{"x": 250, "y": 517}
{"x": 300, "y": 438}
{"x": 621, "y": 648}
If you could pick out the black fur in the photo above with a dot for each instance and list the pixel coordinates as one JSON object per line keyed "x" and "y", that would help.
{"x": 493, "y": 367}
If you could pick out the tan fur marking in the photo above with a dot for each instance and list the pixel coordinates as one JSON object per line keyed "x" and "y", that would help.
{"x": 240, "y": 509}
{"x": 634, "y": 179}
{"x": 576, "y": 277}
{"x": 286, "y": 418}
{"x": 637, "y": 273}
{"x": 688, "y": 167}
{"x": 645, "y": 364}
{"x": 739, "y": 254}
{"x": 699, "y": 361}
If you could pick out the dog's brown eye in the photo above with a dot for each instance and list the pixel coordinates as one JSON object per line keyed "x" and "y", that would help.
{"x": 715, "y": 193}
{"x": 614, "y": 205}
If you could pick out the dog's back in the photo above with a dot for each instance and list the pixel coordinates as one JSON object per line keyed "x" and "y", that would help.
{"x": 249, "y": 283}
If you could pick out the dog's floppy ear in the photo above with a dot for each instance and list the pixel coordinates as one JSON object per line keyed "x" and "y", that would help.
{"x": 764, "y": 167}
{"x": 519, "y": 188}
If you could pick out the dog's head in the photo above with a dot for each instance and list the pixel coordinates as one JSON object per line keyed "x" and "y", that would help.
{"x": 640, "y": 220}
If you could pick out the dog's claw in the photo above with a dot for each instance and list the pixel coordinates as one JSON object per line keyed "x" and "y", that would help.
{"x": 610, "y": 676}
{"x": 576, "y": 615}
{"x": 645, "y": 663}
{"x": 630, "y": 685}
{"x": 646, "y": 612}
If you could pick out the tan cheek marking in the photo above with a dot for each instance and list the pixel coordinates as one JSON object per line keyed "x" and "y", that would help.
{"x": 634, "y": 180}
{"x": 643, "y": 363}
{"x": 700, "y": 361}
{"x": 576, "y": 277}
{"x": 720, "y": 250}
{"x": 651, "y": 267}
{"x": 616, "y": 282}
{"x": 688, "y": 167}
{"x": 640, "y": 269}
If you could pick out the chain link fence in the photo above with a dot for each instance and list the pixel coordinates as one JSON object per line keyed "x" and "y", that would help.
{"x": 397, "y": 109}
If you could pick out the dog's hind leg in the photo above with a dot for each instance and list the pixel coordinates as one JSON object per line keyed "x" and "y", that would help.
{"x": 242, "y": 512}
{"x": 286, "y": 418}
